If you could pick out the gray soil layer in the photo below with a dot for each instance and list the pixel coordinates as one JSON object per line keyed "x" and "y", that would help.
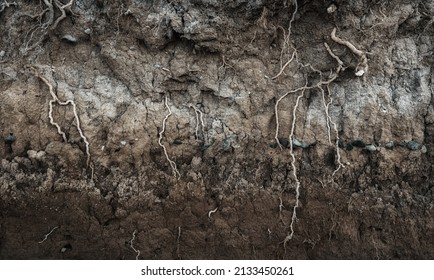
{"x": 204, "y": 129}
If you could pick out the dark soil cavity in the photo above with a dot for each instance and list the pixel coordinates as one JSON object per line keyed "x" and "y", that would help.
{"x": 194, "y": 129}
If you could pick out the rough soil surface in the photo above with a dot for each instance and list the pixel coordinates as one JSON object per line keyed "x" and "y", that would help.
{"x": 181, "y": 103}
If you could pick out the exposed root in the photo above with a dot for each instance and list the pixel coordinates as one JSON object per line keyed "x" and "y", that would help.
{"x": 335, "y": 129}
{"x": 225, "y": 64}
{"x": 5, "y": 4}
{"x": 52, "y": 122}
{"x": 199, "y": 120}
{"x": 281, "y": 207}
{"x": 329, "y": 122}
{"x": 326, "y": 109}
{"x": 178, "y": 252}
{"x": 160, "y": 138}
{"x": 338, "y": 60}
{"x": 62, "y": 10}
{"x": 286, "y": 42}
{"x": 50, "y": 8}
{"x": 292, "y": 18}
{"x": 285, "y": 65}
{"x": 55, "y": 99}
{"x": 48, "y": 234}
{"x": 29, "y": 47}
{"x": 212, "y": 212}
{"x": 276, "y": 111}
{"x": 361, "y": 54}
{"x": 329, "y": 119}
{"x": 119, "y": 14}
{"x": 49, "y": 24}
{"x": 287, "y": 36}
{"x": 262, "y": 20}
{"x": 77, "y": 124}
{"x": 294, "y": 169}
{"x": 132, "y": 247}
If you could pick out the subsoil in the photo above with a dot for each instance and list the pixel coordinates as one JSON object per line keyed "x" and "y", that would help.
{"x": 182, "y": 102}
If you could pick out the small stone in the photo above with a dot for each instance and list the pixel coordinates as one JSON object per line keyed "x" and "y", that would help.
{"x": 2, "y": 53}
{"x": 123, "y": 142}
{"x": 196, "y": 161}
{"x": 70, "y": 38}
{"x": 66, "y": 248}
{"x": 35, "y": 155}
{"x": 413, "y": 145}
{"x": 284, "y": 142}
{"x": 332, "y": 8}
{"x": 389, "y": 145}
{"x": 297, "y": 143}
{"x": 360, "y": 73}
{"x": 358, "y": 144}
{"x": 371, "y": 148}
{"x": 11, "y": 138}
{"x": 273, "y": 145}
{"x": 423, "y": 150}
{"x": 177, "y": 141}
{"x": 87, "y": 31}
{"x": 227, "y": 143}
{"x": 32, "y": 154}
{"x": 40, "y": 155}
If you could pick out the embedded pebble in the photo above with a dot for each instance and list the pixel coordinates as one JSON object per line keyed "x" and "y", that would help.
{"x": 297, "y": 143}
{"x": 284, "y": 142}
{"x": 332, "y": 8}
{"x": 36, "y": 155}
{"x": 273, "y": 145}
{"x": 11, "y": 138}
{"x": 360, "y": 73}
{"x": 413, "y": 145}
{"x": 371, "y": 148}
{"x": 358, "y": 143}
{"x": 423, "y": 149}
{"x": 227, "y": 142}
{"x": 389, "y": 145}
{"x": 70, "y": 38}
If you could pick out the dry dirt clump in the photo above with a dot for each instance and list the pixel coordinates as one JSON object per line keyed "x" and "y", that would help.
{"x": 192, "y": 129}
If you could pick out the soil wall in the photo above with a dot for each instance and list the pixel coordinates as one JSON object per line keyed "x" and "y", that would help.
{"x": 190, "y": 129}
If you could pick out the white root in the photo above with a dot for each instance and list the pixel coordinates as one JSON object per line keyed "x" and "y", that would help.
{"x": 160, "y": 138}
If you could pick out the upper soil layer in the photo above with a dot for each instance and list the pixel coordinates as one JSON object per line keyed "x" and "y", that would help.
{"x": 216, "y": 129}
